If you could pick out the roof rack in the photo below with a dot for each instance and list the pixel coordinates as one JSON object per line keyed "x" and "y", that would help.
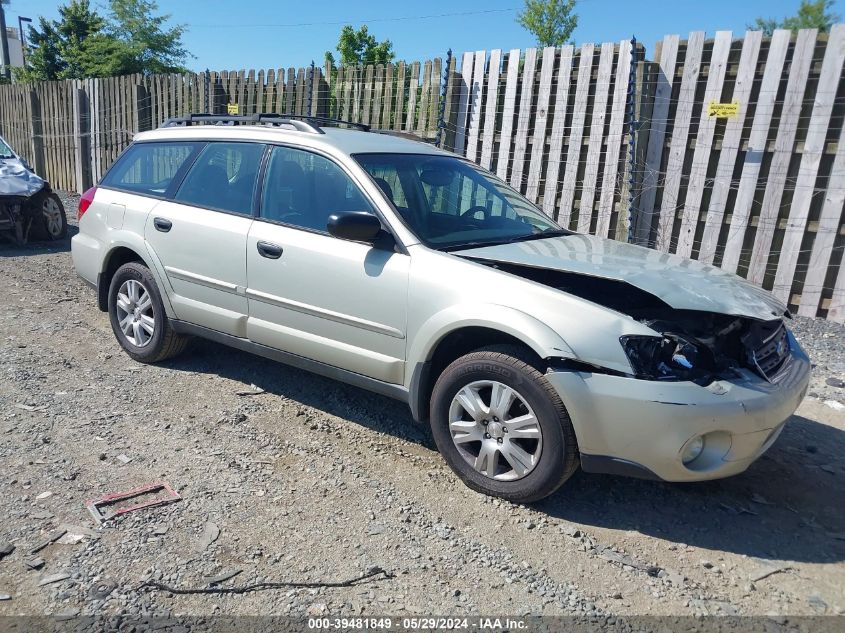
{"x": 300, "y": 122}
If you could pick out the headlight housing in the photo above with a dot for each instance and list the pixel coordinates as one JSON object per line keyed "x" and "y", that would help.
{"x": 668, "y": 357}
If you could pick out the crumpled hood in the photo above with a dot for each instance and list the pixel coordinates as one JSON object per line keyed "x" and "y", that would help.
{"x": 682, "y": 283}
{"x": 17, "y": 180}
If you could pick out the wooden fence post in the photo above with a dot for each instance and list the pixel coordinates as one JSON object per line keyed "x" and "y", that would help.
{"x": 36, "y": 133}
{"x": 82, "y": 138}
{"x": 142, "y": 117}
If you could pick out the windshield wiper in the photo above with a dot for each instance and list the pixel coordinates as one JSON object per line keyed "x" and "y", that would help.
{"x": 509, "y": 240}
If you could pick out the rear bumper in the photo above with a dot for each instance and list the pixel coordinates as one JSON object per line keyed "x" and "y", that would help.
{"x": 87, "y": 254}
{"x": 639, "y": 427}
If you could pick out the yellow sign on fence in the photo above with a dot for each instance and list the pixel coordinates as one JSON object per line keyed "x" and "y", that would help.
{"x": 723, "y": 110}
{"x": 232, "y": 108}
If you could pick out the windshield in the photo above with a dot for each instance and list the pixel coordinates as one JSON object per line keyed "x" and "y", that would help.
{"x": 5, "y": 150}
{"x": 449, "y": 203}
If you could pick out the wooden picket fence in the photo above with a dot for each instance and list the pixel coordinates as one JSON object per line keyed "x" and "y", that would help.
{"x": 759, "y": 192}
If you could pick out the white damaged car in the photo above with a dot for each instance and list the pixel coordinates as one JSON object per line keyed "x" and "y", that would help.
{"x": 409, "y": 271}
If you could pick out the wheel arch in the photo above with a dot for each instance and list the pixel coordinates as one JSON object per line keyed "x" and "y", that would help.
{"x": 451, "y": 334}
{"x": 121, "y": 253}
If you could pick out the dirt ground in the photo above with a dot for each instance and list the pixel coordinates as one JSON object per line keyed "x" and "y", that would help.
{"x": 312, "y": 480}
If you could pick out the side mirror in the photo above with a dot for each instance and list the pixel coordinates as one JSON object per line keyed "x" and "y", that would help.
{"x": 358, "y": 226}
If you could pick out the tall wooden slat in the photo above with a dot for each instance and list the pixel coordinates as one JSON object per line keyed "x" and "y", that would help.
{"x": 802, "y": 56}
{"x": 614, "y": 139}
{"x": 573, "y": 154}
{"x": 463, "y": 102}
{"x": 492, "y": 99}
{"x": 367, "y": 97}
{"x": 756, "y": 146}
{"x": 378, "y": 95}
{"x": 270, "y": 96}
{"x": 290, "y": 90}
{"x": 564, "y": 74}
{"x": 594, "y": 150}
{"x": 422, "y": 113}
{"x": 679, "y": 142}
{"x": 703, "y": 143}
{"x": 811, "y": 157}
{"x": 400, "y": 97}
{"x": 508, "y": 110}
{"x": 434, "y": 97}
{"x": 730, "y": 146}
{"x": 523, "y": 120}
{"x": 541, "y": 119}
{"x": 657, "y": 137}
{"x": 474, "y": 109}
{"x": 836, "y": 311}
{"x": 829, "y": 222}
{"x": 388, "y": 97}
{"x": 413, "y": 88}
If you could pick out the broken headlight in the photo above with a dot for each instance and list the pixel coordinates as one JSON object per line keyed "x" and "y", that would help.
{"x": 668, "y": 357}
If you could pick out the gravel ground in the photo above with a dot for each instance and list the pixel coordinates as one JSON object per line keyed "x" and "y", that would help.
{"x": 312, "y": 480}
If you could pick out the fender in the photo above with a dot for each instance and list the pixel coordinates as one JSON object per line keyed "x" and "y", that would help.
{"x": 537, "y": 335}
{"x": 137, "y": 244}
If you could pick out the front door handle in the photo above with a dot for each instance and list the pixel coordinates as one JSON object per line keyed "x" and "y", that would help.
{"x": 162, "y": 225}
{"x": 269, "y": 250}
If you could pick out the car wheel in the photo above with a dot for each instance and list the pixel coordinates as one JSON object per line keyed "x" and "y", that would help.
{"x": 53, "y": 219}
{"x": 138, "y": 318}
{"x": 502, "y": 427}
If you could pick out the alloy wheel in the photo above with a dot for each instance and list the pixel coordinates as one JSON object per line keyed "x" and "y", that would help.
{"x": 495, "y": 430}
{"x": 135, "y": 315}
{"x": 52, "y": 217}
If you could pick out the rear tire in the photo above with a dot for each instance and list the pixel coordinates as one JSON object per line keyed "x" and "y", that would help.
{"x": 137, "y": 316}
{"x": 523, "y": 463}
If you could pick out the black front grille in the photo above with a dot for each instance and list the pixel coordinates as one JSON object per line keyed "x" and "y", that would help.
{"x": 772, "y": 348}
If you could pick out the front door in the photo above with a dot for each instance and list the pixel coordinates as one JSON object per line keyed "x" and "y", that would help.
{"x": 338, "y": 302}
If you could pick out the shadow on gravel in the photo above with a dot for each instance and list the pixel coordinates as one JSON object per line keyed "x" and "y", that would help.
{"x": 371, "y": 410}
{"x": 786, "y": 506}
{"x": 9, "y": 249}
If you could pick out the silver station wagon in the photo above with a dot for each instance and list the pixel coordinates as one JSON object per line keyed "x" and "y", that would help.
{"x": 409, "y": 271}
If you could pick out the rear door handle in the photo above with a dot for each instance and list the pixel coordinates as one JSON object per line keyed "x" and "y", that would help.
{"x": 162, "y": 225}
{"x": 269, "y": 250}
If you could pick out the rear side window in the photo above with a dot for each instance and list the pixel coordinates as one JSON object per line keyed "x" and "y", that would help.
{"x": 150, "y": 168}
{"x": 223, "y": 177}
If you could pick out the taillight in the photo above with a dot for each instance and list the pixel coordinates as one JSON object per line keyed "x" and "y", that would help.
{"x": 85, "y": 202}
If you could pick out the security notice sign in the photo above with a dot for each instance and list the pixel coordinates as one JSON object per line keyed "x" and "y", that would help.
{"x": 723, "y": 110}
{"x": 232, "y": 108}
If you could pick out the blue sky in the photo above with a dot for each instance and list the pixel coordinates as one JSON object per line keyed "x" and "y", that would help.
{"x": 275, "y": 33}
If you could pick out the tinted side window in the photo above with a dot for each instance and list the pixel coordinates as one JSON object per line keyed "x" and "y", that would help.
{"x": 223, "y": 177}
{"x": 149, "y": 168}
{"x": 304, "y": 189}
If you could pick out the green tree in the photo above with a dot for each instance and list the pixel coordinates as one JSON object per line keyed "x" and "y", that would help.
{"x": 811, "y": 15}
{"x": 54, "y": 48}
{"x": 360, "y": 48}
{"x": 82, "y": 43}
{"x": 148, "y": 45}
{"x": 551, "y": 21}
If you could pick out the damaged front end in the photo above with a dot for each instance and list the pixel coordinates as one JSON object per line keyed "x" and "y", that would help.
{"x": 689, "y": 345}
{"x": 703, "y": 347}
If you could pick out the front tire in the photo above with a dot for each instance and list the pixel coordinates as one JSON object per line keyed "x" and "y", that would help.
{"x": 52, "y": 220}
{"x": 138, "y": 318}
{"x": 502, "y": 427}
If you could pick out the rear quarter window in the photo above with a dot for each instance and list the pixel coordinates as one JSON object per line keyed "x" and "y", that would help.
{"x": 150, "y": 168}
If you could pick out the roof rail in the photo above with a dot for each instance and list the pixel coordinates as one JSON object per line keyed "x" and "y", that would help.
{"x": 300, "y": 122}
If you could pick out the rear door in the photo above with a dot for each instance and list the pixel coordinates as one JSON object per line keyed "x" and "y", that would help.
{"x": 200, "y": 236}
{"x": 339, "y": 302}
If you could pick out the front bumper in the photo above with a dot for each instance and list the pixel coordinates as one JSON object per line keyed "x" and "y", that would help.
{"x": 639, "y": 427}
